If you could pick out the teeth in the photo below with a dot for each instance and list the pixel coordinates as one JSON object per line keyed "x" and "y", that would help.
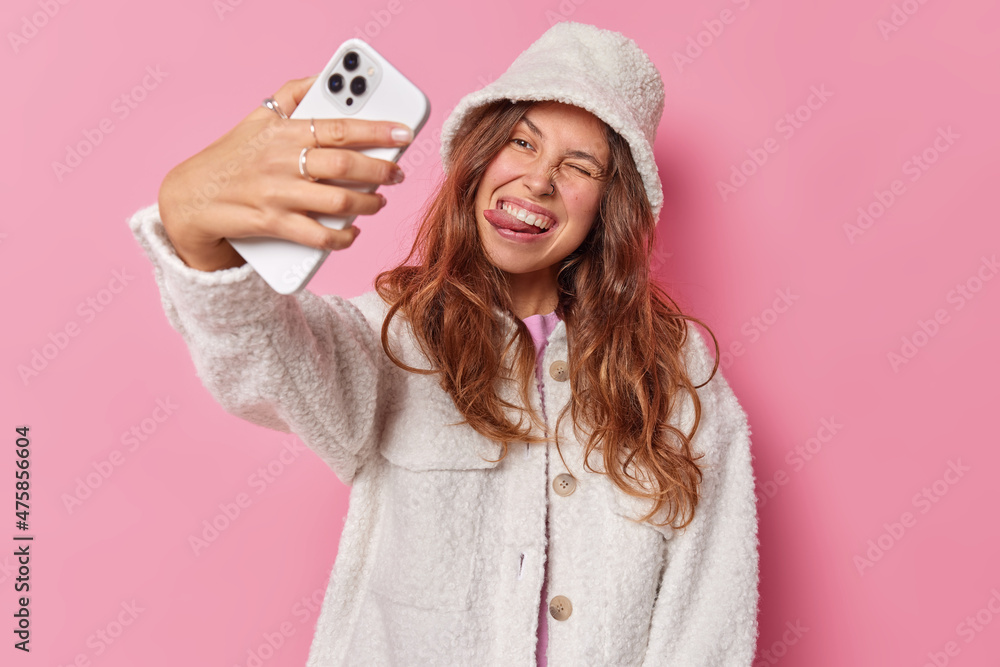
{"x": 540, "y": 221}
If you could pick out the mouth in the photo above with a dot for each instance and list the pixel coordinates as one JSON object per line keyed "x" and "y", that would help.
{"x": 516, "y": 216}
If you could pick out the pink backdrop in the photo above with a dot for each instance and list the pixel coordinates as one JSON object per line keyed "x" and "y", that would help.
{"x": 830, "y": 171}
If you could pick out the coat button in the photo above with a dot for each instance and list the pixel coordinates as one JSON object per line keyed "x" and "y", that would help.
{"x": 559, "y": 370}
{"x": 560, "y": 607}
{"x": 564, "y": 484}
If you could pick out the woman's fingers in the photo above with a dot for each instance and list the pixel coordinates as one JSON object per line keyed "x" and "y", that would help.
{"x": 338, "y": 132}
{"x": 348, "y": 165}
{"x": 304, "y": 230}
{"x": 235, "y": 223}
{"x": 351, "y": 132}
{"x": 332, "y": 200}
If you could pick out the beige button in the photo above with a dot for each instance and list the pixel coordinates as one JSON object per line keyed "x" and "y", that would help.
{"x": 564, "y": 484}
{"x": 560, "y": 607}
{"x": 559, "y": 370}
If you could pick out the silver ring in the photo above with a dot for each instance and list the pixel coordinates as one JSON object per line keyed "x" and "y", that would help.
{"x": 272, "y": 104}
{"x": 312, "y": 128}
{"x": 302, "y": 164}
{"x": 549, "y": 194}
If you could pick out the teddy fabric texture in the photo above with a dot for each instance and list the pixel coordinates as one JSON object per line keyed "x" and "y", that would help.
{"x": 599, "y": 70}
{"x": 444, "y": 549}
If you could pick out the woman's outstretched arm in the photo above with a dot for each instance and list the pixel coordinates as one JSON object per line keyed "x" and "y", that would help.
{"x": 296, "y": 363}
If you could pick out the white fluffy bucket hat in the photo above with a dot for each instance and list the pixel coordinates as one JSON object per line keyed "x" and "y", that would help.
{"x": 598, "y": 70}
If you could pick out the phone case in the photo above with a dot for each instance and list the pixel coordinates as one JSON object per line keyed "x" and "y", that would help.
{"x": 286, "y": 266}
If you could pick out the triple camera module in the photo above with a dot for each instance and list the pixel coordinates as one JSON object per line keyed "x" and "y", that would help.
{"x": 358, "y": 84}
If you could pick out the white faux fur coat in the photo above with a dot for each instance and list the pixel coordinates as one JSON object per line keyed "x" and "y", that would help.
{"x": 441, "y": 556}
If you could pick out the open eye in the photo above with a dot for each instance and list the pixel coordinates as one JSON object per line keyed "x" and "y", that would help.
{"x": 523, "y": 141}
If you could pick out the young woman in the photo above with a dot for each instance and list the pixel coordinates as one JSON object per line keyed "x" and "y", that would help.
{"x": 545, "y": 463}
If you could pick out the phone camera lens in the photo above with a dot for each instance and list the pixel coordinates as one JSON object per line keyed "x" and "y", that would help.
{"x": 358, "y": 85}
{"x": 351, "y": 61}
{"x": 336, "y": 83}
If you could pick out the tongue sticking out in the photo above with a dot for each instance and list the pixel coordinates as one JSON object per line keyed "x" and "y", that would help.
{"x": 502, "y": 218}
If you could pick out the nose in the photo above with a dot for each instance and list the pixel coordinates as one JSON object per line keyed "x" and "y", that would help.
{"x": 538, "y": 179}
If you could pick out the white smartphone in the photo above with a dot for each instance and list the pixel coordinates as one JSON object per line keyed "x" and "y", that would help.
{"x": 358, "y": 82}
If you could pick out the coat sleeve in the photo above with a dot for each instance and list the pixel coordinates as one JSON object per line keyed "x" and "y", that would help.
{"x": 705, "y": 614}
{"x": 294, "y": 363}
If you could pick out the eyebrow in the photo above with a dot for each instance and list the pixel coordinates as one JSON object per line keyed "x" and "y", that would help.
{"x": 583, "y": 155}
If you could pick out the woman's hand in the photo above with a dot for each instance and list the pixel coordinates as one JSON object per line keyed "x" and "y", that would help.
{"x": 247, "y": 183}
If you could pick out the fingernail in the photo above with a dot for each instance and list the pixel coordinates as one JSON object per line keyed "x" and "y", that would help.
{"x": 397, "y": 176}
{"x": 382, "y": 197}
{"x": 402, "y": 134}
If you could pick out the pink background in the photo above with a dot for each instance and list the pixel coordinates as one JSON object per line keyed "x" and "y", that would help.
{"x": 896, "y": 429}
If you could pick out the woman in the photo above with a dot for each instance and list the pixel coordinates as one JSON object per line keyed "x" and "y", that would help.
{"x": 540, "y": 447}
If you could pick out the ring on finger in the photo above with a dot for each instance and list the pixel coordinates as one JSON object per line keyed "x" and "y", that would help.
{"x": 312, "y": 128}
{"x": 302, "y": 164}
{"x": 272, "y": 104}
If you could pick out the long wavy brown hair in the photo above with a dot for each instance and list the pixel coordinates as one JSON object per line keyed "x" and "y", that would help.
{"x": 625, "y": 334}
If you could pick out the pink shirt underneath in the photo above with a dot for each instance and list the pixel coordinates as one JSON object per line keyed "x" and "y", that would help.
{"x": 540, "y": 327}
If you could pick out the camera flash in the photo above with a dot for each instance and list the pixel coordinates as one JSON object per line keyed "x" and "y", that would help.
{"x": 371, "y": 71}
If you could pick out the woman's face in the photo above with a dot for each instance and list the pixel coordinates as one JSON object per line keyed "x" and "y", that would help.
{"x": 554, "y": 143}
